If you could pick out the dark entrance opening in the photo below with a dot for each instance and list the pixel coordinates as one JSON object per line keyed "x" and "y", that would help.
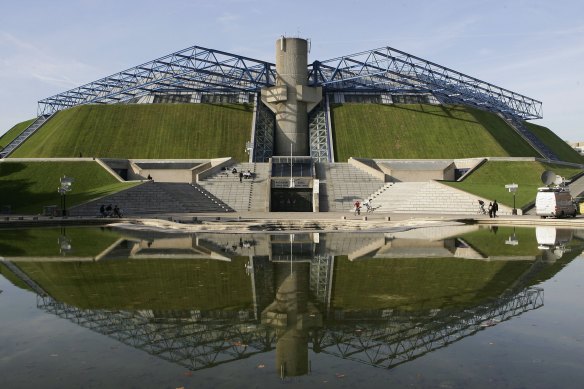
{"x": 291, "y": 200}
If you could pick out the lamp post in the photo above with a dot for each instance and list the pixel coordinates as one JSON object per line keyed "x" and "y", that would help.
{"x": 65, "y": 186}
{"x": 292, "y": 184}
{"x": 513, "y": 189}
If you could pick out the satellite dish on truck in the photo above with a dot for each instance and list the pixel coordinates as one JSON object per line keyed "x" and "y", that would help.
{"x": 548, "y": 177}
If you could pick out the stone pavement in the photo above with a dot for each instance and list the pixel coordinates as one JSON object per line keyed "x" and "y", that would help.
{"x": 291, "y": 221}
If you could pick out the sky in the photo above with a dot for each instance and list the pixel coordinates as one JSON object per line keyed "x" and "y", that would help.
{"x": 532, "y": 47}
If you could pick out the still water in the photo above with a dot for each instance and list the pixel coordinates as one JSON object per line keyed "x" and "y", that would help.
{"x": 456, "y": 307}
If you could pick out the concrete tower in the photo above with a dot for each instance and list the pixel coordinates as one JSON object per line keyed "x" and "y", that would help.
{"x": 291, "y": 99}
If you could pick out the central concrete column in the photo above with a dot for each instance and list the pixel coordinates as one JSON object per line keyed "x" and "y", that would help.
{"x": 291, "y": 99}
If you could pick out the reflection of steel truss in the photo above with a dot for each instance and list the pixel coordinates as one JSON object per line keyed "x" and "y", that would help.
{"x": 195, "y": 69}
{"x": 395, "y": 341}
{"x": 199, "y": 342}
{"x": 388, "y": 69}
{"x": 194, "y": 343}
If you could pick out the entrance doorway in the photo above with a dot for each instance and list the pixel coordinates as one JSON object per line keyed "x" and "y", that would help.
{"x": 291, "y": 200}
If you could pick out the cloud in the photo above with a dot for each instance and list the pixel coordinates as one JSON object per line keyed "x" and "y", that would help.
{"x": 23, "y": 60}
{"x": 227, "y": 20}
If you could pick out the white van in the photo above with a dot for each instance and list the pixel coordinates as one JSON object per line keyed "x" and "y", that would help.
{"x": 554, "y": 202}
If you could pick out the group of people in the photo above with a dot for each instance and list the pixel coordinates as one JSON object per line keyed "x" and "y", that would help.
{"x": 109, "y": 211}
{"x": 493, "y": 208}
{"x": 367, "y": 204}
{"x": 242, "y": 175}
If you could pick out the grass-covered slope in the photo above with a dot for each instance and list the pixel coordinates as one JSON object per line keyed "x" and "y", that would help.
{"x": 144, "y": 131}
{"x": 28, "y": 186}
{"x": 489, "y": 180}
{"x": 422, "y": 131}
{"x": 14, "y": 132}
{"x": 563, "y": 150}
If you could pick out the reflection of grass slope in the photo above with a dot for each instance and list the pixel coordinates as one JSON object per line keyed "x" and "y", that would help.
{"x": 43, "y": 242}
{"x": 11, "y": 134}
{"x": 490, "y": 179}
{"x": 28, "y": 186}
{"x": 491, "y": 241}
{"x": 177, "y": 284}
{"x": 14, "y": 280}
{"x": 422, "y": 131}
{"x": 557, "y": 145}
{"x": 420, "y": 283}
{"x": 144, "y": 131}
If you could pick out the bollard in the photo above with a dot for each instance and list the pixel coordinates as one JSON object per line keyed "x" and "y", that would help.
{"x": 387, "y": 218}
{"x": 364, "y": 217}
{"x": 218, "y": 218}
{"x": 343, "y": 218}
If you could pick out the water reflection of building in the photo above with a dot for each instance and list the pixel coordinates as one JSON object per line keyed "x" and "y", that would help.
{"x": 308, "y": 292}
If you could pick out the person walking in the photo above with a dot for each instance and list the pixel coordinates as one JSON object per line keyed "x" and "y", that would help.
{"x": 240, "y": 176}
{"x": 490, "y": 209}
{"x": 357, "y": 205}
{"x": 495, "y": 208}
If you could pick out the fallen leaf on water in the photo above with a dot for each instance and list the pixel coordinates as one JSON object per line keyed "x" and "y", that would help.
{"x": 261, "y": 366}
{"x": 339, "y": 375}
{"x": 54, "y": 355}
{"x": 188, "y": 373}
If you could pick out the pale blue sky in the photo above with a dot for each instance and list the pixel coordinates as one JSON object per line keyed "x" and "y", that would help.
{"x": 531, "y": 47}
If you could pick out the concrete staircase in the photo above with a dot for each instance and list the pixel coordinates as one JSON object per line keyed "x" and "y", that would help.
{"x": 247, "y": 195}
{"x": 577, "y": 186}
{"x": 342, "y": 184}
{"x": 427, "y": 197}
{"x": 517, "y": 124}
{"x": 24, "y": 135}
{"x": 156, "y": 197}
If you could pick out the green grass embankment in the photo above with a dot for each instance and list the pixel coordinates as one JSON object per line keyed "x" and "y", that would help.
{"x": 489, "y": 180}
{"x": 144, "y": 131}
{"x": 28, "y": 186}
{"x": 422, "y": 131}
{"x": 153, "y": 284}
{"x": 11, "y": 134}
{"x": 413, "y": 284}
{"x": 563, "y": 150}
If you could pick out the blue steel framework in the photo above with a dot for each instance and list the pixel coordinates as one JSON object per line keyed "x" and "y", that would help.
{"x": 194, "y": 69}
{"x": 386, "y": 69}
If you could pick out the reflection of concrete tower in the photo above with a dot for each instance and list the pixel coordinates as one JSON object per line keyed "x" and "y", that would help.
{"x": 292, "y": 315}
{"x": 291, "y": 99}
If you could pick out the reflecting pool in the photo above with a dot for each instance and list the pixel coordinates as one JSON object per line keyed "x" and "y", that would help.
{"x": 452, "y": 307}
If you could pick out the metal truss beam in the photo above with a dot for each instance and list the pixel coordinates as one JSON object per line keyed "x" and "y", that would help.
{"x": 387, "y": 69}
{"x": 192, "y": 69}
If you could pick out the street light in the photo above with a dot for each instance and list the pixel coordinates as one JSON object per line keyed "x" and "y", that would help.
{"x": 513, "y": 189}
{"x": 63, "y": 189}
{"x": 292, "y": 184}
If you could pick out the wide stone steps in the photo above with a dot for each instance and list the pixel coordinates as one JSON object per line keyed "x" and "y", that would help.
{"x": 247, "y": 195}
{"x": 157, "y": 197}
{"x": 427, "y": 197}
{"x": 342, "y": 184}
